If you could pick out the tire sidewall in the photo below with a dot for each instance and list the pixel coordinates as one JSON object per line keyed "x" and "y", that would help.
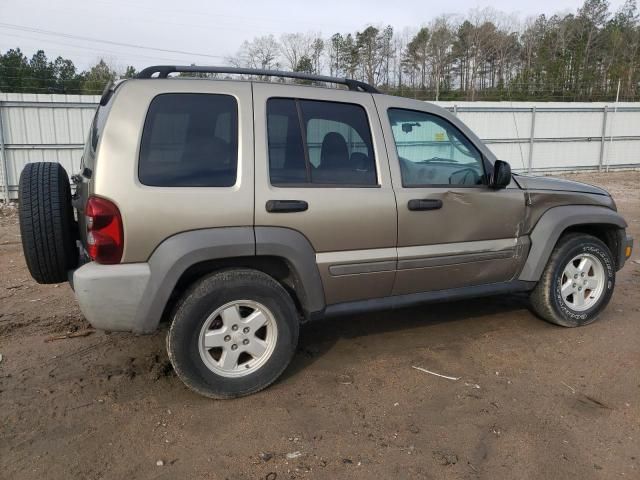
{"x": 47, "y": 224}
{"x": 571, "y": 250}
{"x": 207, "y": 296}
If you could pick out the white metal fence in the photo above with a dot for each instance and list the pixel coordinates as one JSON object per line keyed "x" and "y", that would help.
{"x": 41, "y": 127}
{"x": 533, "y": 137}
{"x": 547, "y": 137}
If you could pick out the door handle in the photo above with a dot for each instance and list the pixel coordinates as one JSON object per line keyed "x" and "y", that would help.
{"x": 286, "y": 206}
{"x": 418, "y": 204}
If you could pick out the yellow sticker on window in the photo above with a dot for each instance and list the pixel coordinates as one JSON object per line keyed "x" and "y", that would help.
{"x": 439, "y": 136}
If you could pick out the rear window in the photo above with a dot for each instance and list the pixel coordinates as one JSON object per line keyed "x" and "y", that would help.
{"x": 190, "y": 140}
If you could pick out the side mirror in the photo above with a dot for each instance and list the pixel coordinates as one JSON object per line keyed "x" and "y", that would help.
{"x": 501, "y": 176}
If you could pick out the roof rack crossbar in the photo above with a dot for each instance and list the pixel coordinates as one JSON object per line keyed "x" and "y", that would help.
{"x": 163, "y": 71}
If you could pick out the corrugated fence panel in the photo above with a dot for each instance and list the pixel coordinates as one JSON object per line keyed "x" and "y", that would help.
{"x": 42, "y": 127}
{"x": 624, "y": 123}
{"x": 566, "y": 136}
{"x": 570, "y": 155}
{"x": 623, "y": 152}
{"x": 517, "y": 154}
{"x": 568, "y": 124}
{"x": 491, "y": 125}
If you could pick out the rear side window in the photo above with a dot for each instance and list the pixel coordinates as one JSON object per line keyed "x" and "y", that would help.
{"x": 190, "y": 140}
{"x": 95, "y": 132}
{"x": 319, "y": 143}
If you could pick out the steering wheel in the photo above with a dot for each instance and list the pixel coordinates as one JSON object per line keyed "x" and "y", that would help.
{"x": 465, "y": 175}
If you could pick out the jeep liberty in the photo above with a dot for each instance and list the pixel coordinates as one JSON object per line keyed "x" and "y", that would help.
{"x": 239, "y": 209}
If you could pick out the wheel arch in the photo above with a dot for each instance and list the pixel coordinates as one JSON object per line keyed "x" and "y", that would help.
{"x": 282, "y": 253}
{"x": 600, "y": 222}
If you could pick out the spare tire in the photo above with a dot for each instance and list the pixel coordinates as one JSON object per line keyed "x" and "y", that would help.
{"x": 47, "y": 224}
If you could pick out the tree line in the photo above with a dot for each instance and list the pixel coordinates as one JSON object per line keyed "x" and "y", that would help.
{"x": 486, "y": 54}
{"x": 19, "y": 74}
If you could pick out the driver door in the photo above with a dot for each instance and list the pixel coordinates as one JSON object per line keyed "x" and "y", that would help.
{"x": 453, "y": 230}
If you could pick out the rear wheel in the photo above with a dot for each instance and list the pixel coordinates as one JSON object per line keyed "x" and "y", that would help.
{"x": 47, "y": 224}
{"x": 233, "y": 334}
{"x": 577, "y": 282}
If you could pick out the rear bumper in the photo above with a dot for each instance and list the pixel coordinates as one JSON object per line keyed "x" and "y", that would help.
{"x": 110, "y": 296}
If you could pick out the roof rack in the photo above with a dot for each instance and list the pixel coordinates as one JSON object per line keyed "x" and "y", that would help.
{"x": 164, "y": 70}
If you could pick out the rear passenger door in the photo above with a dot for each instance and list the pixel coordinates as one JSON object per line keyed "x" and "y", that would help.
{"x": 321, "y": 169}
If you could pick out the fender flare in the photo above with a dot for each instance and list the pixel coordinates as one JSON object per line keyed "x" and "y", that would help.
{"x": 181, "y": 251}
{"x": 297, "y": 251}
{"x": 550, "y": 226}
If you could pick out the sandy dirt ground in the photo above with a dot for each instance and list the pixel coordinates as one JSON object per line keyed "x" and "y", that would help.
{"x": 532, "y": 401}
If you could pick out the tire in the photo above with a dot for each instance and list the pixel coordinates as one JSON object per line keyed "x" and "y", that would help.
{"x": 47, "y": 224}
{"x": 203, "y": 370}
{"x": 552, "y": 304}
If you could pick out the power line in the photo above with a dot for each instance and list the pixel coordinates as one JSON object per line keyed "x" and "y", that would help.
{"x": 22, "y": 28}
{"x": 94, "y": 52}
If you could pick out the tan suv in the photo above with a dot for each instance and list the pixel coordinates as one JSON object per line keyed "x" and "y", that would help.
{"x": 240, "y": 209}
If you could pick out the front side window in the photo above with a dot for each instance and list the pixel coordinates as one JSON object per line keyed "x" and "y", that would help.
{"x": 319, "y": 143}
{"x": 190, "y": 140}
{"x": 433, "y": 152}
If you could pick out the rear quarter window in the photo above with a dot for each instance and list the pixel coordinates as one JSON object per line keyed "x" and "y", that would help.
{"x": 95, "y": 132}
{"x": 190, "y": 140}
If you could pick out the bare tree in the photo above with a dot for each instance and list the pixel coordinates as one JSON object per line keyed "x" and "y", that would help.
{"x": 294, "y": 46}
{"x": 317, "y": 48}
{"x": 261, "y": 52}
{"x": 417, "y": 54}
{"x": 481, "y": 40}
{"x": 399, "y": 43}
{"x": 439, "y": 51}
{"x": 372, "y": 47}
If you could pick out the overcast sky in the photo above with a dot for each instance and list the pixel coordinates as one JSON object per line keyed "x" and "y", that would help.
{"x": 214, "y": 29}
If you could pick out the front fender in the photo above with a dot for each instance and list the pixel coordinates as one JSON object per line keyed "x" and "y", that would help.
{"x": 553, "y": 223}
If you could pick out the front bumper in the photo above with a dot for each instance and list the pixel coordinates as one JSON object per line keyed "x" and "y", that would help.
{"x": 110, "y": 296}
{"x": 625, "y": 248}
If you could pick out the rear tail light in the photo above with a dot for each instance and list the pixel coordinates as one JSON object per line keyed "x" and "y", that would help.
{"x": 105, "y": 236}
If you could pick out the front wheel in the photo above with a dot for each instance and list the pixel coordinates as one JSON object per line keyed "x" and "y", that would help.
{"x": 233, "y": 334}
{"x": 577, "y": 282}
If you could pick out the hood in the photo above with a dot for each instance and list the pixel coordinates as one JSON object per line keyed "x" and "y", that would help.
{"x": 556, "y": 184}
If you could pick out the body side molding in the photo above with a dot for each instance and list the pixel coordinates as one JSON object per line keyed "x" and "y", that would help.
{"x": 408, "y": 300}
{"x": 552, "y": 223}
